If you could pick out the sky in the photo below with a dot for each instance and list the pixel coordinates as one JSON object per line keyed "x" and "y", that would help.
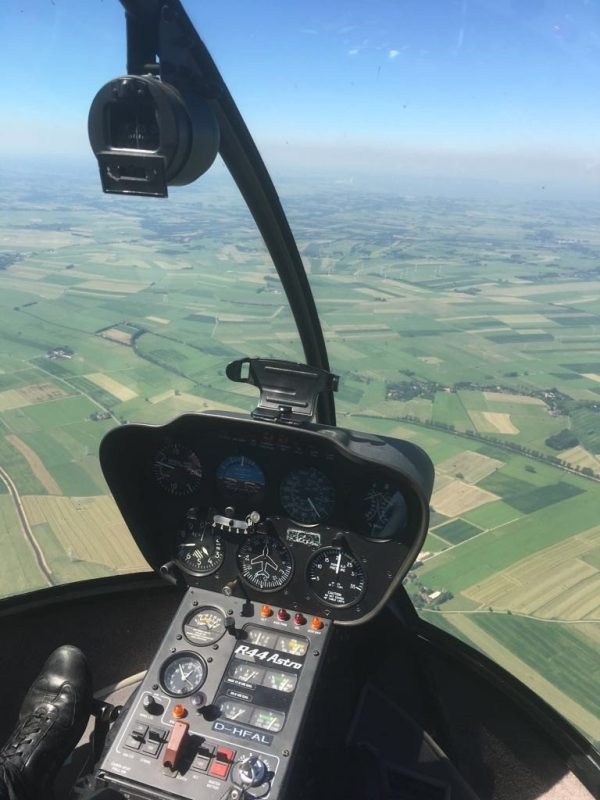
{"x": 500, "y": 89}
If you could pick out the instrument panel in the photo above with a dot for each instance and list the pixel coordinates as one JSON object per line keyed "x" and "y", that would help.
{"x": 321, "y": 519}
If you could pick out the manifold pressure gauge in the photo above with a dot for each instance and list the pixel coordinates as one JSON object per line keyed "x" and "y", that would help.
{"x": 336, "y": 577}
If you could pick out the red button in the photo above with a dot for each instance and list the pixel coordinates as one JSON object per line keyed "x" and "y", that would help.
{"x": 222, "y": 763}
{"x": 299, "y": 619}
{"x": 282, "y": 614}
{"x": 218, "y": 770}
{"x": 225, "y": 754}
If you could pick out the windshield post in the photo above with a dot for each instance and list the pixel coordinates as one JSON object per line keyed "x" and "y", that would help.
{"x": 154, "y": 32}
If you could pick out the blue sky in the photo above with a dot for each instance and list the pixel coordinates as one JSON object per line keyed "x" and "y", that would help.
{"x": 476, "y": 86}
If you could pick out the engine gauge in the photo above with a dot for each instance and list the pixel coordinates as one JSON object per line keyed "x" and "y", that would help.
{"x": 336, "y": 577}
{"x": 240, "y": 475}
{"x": 235, "y": 711}
{"x": 384, "y": 510}
{"x": 265, "y": 562}
{"x": 183, "y": 674}
{"x": 177, "y": 469}
{"x": 307, "y": 496}
{"x": 204, "y": 626}
{"x": 203, "y": 554}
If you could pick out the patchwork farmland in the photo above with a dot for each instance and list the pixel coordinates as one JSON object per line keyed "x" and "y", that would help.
{"x": 468, "y": 327}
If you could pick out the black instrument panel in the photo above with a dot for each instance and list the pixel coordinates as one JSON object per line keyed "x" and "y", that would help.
{"x": 319, "y": 519}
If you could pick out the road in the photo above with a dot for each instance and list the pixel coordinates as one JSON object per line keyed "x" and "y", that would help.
{"x": 26, "y": 527}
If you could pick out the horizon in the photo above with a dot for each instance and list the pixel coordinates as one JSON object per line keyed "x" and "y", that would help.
{"x": 483, "y": 90}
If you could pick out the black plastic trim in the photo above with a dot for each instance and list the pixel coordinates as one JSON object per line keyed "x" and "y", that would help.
{"x": 69, "y": 592}
{"x": 579, "y": 753}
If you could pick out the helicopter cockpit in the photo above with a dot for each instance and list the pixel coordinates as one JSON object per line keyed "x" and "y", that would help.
{"x": 272, "y": 648}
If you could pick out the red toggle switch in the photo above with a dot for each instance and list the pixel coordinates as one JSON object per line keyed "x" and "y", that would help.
{"x": 283, "y": 615}
{"x": 299, "y": 619}
{"x": 175, "y": 744}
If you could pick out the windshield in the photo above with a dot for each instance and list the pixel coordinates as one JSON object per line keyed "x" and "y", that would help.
{"x": 438, "y": 163}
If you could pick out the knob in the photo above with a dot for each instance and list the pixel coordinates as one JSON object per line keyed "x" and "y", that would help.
{"x": 252, "y": 771}
{"x": 151, "y": 706}
{"x": 231, "y": 629}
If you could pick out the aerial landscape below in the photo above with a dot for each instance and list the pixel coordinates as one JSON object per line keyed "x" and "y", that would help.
{"x": 469, "y": 326}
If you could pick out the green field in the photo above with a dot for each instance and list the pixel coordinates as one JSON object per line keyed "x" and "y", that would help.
{"x": 457, "y": 531}
{"x": 570, "y": 660}
{"x": 450, "y": 322}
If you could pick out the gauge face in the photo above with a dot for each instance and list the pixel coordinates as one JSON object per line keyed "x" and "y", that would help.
{"x": 183, "y": 674}
{"x": 240, "y": 475}
{"x": 204, "y": 554}
{"x": 265, "y": 562}
{"x": 248, "y": 673}
{"x": 336, "y": 577}
{"x": 236, "y": 712}
{"x": 308, "y": 496}
{"x": 177, "y": 469}
{"x": 384, "y": 510}
{"x": 280, "y": 681}
{"x": 204, "y": 626}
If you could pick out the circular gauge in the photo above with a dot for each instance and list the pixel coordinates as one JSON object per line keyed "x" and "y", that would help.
{"x": 336, "y": 577}
{"x": 204, "y": 626}
{"x": 241, "y": 476}
{"x": 265, "y": 562}
{"x": 177, "y": 469}
{"x": 384, "y": 510}
{"x": 307, "y": 496}
{"x": 183, "y": 674}
{"x": 203, "y": 554}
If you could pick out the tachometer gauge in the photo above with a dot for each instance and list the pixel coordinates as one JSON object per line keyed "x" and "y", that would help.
{"x": 265, "y": 562}
{"x": 240, "y": 475}
{"x": 177, "y": 469}
{"x": 183, "y": 674}
{"x": 204, "y": 626}
{"x": 336, "y": 577}
{"x": 384, "y": 510}
{"x": 202, "y": 555}
{"x": 307, "y": 496}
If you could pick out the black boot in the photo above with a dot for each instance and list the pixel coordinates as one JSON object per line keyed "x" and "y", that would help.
{"x": 51, "y": 722}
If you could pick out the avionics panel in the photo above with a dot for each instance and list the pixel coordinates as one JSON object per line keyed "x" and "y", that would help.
{"x": 221, "y": 706}
{"x": 321, "y": 519}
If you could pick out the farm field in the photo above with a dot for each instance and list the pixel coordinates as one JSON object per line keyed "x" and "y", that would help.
{"x": 467, "y": 326}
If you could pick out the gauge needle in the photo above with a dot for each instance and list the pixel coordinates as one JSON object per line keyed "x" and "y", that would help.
{"x": 312, "y": 505}
{"x": 236, "y": 714}
{"x": 338, "y": 563}
{"x": 166, "y": 464}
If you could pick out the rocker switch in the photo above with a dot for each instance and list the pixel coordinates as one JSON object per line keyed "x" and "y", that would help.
{"x": 175, "y": 744}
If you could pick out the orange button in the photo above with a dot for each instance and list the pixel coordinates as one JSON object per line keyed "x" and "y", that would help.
{"x": 266, "y": 611}
{"x": 179, "y": 711}
{"x": 316, "y": 623}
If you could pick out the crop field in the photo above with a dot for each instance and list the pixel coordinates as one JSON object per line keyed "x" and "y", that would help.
{"x": 69, "y": 518}
{"x": 470, "y": 466}
{"x": 458, "y": 497}
{"x": 468, "y": 327}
